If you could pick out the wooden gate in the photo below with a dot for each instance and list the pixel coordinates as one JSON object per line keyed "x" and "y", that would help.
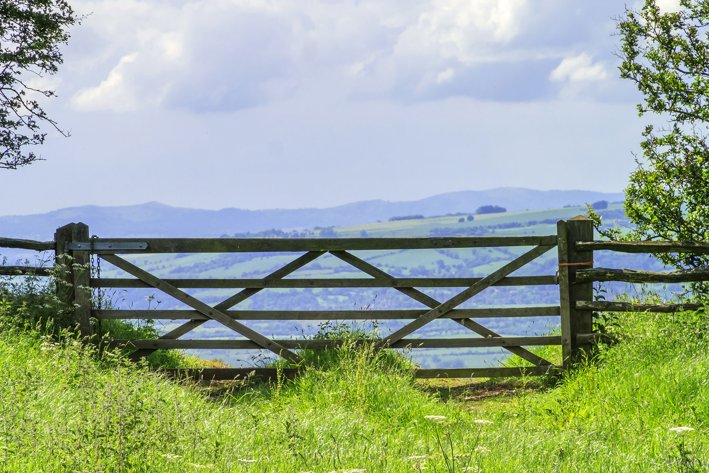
{"x": 73, "y": 240}
{"x": 575, "y": 276}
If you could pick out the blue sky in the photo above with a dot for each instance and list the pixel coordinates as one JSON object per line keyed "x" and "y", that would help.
{"x": 288, "y": 103}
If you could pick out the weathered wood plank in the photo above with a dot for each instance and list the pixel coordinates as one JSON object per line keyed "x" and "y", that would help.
{"x": 478, "y": 342}
{"x": 24, "y": 271}
{"x": 699, "y": 248}
{"x": 486, "y": 372}
{"x": 466, "y": 294}
{"x": 297, "y": 283}
{"x": 225, "y": 374}
{"x": 493, "y": 312}
{"x": 232, "y": 245}
{"x": 571, "y": 260}
{"x": 609, "y": 306}
{"x": 430, "y": 302}
{"x": 588, "y": 338}
{"x": 210, "y": 312}
{"x": 82, "y": 280}
{"x": 631, "y": 275}
{"x": 565, "y": 302}
{"x": 26, "y": 244}
{"x": 64, "y": 287}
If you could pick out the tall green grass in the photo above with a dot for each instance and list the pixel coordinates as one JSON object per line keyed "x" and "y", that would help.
{"x": 65, "y": 408}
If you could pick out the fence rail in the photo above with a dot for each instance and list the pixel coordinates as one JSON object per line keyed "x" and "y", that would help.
{"x": 575, "y": 276}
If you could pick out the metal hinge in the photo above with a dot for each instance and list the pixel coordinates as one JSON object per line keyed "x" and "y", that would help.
{"x": 107, "y": 245}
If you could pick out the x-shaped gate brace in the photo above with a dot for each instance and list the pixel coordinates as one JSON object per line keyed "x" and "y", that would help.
{"x": 438, "y": 309}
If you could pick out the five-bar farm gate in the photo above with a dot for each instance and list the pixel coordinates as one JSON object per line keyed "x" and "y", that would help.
{"x": 573, "y": 242}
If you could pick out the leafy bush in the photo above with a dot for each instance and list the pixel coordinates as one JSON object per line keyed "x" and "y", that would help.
{"x": 406, "y": 217}
{"x": 490, "y": 209}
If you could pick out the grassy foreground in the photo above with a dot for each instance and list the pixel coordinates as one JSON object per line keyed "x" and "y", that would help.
{"x": 62, "y": 410}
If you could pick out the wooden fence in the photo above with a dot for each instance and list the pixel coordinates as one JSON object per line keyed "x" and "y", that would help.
{"x": 575, "y": 277}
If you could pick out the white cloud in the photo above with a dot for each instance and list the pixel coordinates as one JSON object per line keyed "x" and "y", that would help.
{"x": 113, "y": 93}
{"x": 226, "y": 55}
{"x": 579, "y": 68}
{"x": 463, "y": 30}
{"x": 445, "y": 76}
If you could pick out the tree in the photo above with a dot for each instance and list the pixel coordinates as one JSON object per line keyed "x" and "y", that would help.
{"x": 31, "y": 32}
{"x": 600, "y": 205}
{"x": 490, "y": 209}
{"x": 666, "y": 54}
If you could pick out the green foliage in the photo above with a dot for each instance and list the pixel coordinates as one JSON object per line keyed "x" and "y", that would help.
{"x": 643, "y": 408}
{"x": 358, "y": 348}
{"x": 31, "y": 33}
{"x": 406, "y": 217}
{"x": 600, "y": 205}
{"x": 666, "y": 55}
{"x": 30, "y": 302}
{"x": 490, "y": 209}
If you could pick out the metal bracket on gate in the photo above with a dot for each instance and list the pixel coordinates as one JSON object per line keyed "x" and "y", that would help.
{"x": 107, "y": 246}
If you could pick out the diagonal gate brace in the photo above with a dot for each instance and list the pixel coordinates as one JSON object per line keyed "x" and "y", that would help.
{"x": 245, "y": 293}
{"x": 439, "y": 309}
{"x": 208, "y": 311}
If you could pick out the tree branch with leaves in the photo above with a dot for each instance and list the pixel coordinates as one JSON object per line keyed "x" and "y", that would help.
{"x": 31, "y": 33}
{"x": 666, "y": 54}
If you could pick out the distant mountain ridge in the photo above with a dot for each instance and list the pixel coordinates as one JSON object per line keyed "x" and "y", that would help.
{"x": 154, "y": 219}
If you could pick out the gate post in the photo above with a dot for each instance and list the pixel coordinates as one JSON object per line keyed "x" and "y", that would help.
{"x": 574, "y": 321}
{"x": 74, "y": 284}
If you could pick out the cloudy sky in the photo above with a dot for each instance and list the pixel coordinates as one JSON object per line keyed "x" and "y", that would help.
{"x": 290, "y": 103}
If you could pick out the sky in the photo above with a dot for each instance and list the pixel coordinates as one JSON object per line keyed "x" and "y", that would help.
{"x": 302, "y": 103}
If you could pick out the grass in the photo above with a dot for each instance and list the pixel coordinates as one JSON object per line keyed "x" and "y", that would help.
{"x": 64, "y": 408}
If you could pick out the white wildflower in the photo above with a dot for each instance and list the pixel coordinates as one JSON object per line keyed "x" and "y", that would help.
{"x": 437, "y": 419}
{"x": 483, "y": 421}
{"x": 170, "y": 456}
{"x": 681, "y": 430}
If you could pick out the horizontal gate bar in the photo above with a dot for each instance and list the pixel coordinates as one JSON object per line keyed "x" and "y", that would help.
{"x": 224, "y": 374}
{"x": 234, "y": 245}
{"x": 697, "y": 248}
{"x": 501, "y": 312}
{"x": 609, "y": 306}
{"x": 478, "y": 342}
{"x": 24, "y": 271}
{"x": 26, "y": 244}
{"x": 296, "y": 283}
{"x": 630, "y": 275}
{"x": 486, "y": 372}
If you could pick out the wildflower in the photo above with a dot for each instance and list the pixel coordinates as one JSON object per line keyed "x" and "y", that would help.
{"x": 436, "y": 419}
{"x": 483, "y": 421}
{"x": 244, "y": 460}
{"x": 417, "y": 457}
{"x": 681, "y": 430}
{"x": 170, "y": 456}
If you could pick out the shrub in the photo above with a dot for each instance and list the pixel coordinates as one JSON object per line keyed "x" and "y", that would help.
{"x": 490, "y": 209}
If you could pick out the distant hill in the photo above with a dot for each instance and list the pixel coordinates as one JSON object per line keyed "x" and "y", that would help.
{"x": 155, "y": 219}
